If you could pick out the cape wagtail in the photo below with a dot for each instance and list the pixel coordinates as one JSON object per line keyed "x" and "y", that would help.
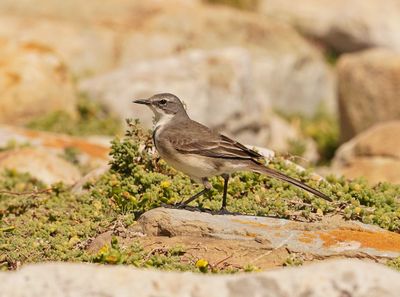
{"x": 199, "y": 152}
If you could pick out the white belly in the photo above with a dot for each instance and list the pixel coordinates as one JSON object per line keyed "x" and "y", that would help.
{"x": 198, "y": 167}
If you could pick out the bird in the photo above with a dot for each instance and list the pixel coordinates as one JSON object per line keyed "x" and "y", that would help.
{"x": 201, "y": 152}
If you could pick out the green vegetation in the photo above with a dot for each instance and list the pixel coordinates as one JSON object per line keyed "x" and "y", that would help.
{"x": 293, "y": 260}
{"x": 139, "y": 181}
{"x": 55, "y": 224}
{"x": 92, "y": 119}
{"x": 395, "y": 263}
{"x": 240, "y": 4}
{"x": 322, "y": 127}
{"x": 12, "y": 145}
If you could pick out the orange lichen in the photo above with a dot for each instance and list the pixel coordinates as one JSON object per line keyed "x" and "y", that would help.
{"x": 250, "y": 234}
{"x": 254, "y": 224}
{"x": 385, "y": 241}
{"x": 307, "y": 237}
{"x": 55, "y": 141}
{"x": 91, "y": 149}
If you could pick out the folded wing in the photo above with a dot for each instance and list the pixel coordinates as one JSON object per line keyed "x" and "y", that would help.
{"x": 200, "y": 140}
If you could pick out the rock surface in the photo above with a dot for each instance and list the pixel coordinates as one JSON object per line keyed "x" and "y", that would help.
{"x": 332, "y": 237}
{"x": 373, "y": 154}
{"x": 34, "y": 81}
{"x": 369, "y": 90}
{"x": 91, "y": 152}
{"x": 214, "y": 84}
{"x": 329, "y": 279}
{"x": 100, "y": 37}
{"x": 283, "y": 65}
{"x": 345, "y": 26}
{"x": 40, "y": 164}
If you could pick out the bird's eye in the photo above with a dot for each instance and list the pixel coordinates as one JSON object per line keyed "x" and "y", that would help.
{"x": 163, "y": 101}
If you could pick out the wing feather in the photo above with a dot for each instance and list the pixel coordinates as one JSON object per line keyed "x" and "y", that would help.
{"x": 195, "y": 138}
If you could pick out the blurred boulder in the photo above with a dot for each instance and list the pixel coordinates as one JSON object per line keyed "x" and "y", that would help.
{"x": 334, "y": 278}
{"x": 93, "y": 37}
{"x": 287, "y": 72}
{"x": 342, "y": 25}
{"x": 33, "y": 81}
{"x": 40, "y": 164}
{"x": 217, "y": 88}
{"x": 214, "y": 85}
{"x": 374, "y": 154}
{"x": 91, "y": 152}
{"x": 85, "y": 48}
{"x": 104, "y": 12}
{"x": 369, "y": 90}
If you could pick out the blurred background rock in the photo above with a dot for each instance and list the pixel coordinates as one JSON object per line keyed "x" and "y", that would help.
{"x": 299, "y": 79}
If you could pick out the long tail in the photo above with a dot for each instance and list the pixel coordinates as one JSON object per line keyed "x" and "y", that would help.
{"x": 273, "y": 173}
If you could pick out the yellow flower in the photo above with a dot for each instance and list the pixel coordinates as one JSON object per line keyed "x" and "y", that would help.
{"x": 104, "y": 250}
{"x": 201, "y": 263}
{"x": 165, "y": 184}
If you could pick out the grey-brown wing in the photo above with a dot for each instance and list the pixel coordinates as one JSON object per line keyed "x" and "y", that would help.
{"x": 195, "y": 138}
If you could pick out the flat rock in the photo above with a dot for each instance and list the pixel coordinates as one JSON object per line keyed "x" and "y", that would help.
{"x": 48, "y": 168}
{"x": 331, "y": 237}
{"x": 328, "y": 279}
{"x": 91, "y": 151}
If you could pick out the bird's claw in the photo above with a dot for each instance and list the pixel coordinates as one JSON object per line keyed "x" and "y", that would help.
{"x": 224, "y": 211}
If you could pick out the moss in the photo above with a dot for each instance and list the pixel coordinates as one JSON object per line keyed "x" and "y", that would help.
{"x": 322, "y": 127}
{"x": 13, "y": 144}
{"x": 294, "y": 260}
{"x": 47, "y": 226}
{"x": 240, "y": 4}
{"x": 93, "y": 118}
{"x": 395, "y": 263}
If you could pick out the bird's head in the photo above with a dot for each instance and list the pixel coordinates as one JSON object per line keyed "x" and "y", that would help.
{"x": 164, "y": 105}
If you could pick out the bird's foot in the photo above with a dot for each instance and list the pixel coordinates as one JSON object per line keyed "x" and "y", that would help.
{"x": 179, "y": 205}
{"x": 224, "y": 211}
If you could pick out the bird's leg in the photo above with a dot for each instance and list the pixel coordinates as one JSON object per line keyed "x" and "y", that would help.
{"x": 223, "y": 210}
{"x": 226, "y": 179}
{"x": 207, "y": 187}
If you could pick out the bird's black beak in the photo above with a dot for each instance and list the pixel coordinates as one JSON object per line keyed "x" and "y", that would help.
{"x": 142, "y": 101}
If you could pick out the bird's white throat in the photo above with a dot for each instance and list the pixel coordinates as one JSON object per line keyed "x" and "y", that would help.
{"x": 162, "y": 119}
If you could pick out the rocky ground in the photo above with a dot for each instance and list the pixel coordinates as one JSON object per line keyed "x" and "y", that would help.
{"x": 316, "y": 83}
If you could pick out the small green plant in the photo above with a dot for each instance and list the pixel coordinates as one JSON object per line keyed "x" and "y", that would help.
{"x": 322, "y": 127}
{"x": 109, "y": 254}
{"x": 293, "y": 260}
{"x": 92, "y": 118}
{"x": 240, "y": 4}
{"x": 297, "y": 147}
{"x": 13, "y": 144}
{"x": 394, "y": 263}
{"x": 71, "y": 154}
